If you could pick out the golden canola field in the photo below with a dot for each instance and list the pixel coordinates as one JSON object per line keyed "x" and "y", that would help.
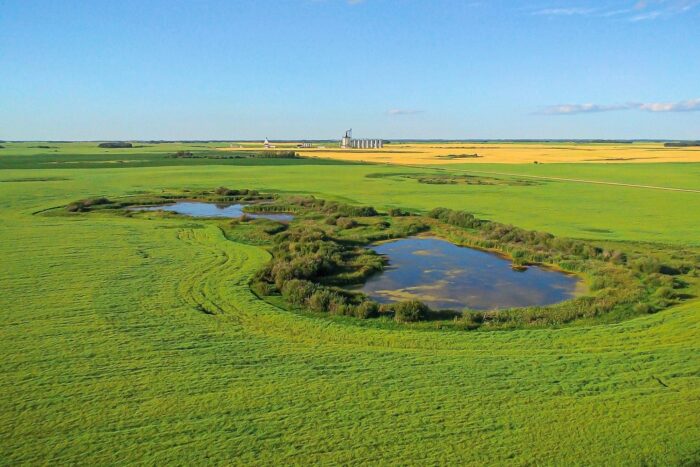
{"x": 495, "y": 152}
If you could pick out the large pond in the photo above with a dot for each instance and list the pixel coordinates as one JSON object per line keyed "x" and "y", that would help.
{"x": 446, "y": 276}
{"x": 200, "y": 209}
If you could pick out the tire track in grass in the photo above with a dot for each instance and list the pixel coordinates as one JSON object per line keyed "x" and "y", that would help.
{"x": 220, "y": 284}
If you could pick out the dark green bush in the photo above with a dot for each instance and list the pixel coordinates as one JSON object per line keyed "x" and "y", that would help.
{"x": 346, "y": 223}
{"x": 647, "y": 265}
{"x": 367, "y": 309}
{"x": 262, "y": 288}
{"x": 298, "y": 291}
{"x": 641, "y": 308}
{"x": 322, "y": 299}
{"x": 398, "y": 212}
{"x": 664, "y": 292}
{"x": 223, "y": 191}
{"x": 409, "y": 311}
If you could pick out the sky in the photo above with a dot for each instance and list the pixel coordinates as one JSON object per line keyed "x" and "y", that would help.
{"x": 310, "y": 69}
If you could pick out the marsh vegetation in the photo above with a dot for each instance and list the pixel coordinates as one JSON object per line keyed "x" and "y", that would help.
{"x": 328, "y": 249}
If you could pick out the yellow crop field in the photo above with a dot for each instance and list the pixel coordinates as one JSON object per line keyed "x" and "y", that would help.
{"x": 495, "y": 152}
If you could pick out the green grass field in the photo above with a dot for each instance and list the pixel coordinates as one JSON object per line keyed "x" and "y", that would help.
{"x": 107, "y": 360}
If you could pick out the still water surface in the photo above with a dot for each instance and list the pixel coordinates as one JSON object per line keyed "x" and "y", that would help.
{"x": 446, "y": 276}
{"x": 198, "y": 209}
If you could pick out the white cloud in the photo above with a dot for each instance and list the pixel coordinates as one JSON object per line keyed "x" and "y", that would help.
{"x": 642, "y": 10}
{"x": 569, "y": 109}
{"x": 404, "y": 111}
{"x": 690, "y": 105}
{"x": 564, "y": 12}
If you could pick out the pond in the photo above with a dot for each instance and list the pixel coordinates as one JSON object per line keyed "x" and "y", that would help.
{"x": 446, "y": 276}
{"x": 201, "y": 209}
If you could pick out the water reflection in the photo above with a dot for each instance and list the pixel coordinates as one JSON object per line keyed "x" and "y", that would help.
{"x": 444, "y": 275}
{"x": 200, "y": 209}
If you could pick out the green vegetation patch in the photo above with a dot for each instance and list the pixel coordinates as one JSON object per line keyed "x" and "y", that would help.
{"x": 437, "y": 178}
{"x": 220, "y": 155}
{"x": 33, "y": 179}
{"x": 326, "y": 248}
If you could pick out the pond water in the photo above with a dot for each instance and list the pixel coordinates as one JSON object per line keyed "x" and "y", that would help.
{"x": 200, "y": 209}
{"x": 446, "y": 276}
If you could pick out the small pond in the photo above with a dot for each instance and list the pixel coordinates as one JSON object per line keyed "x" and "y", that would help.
{"x": 446, "y": 276}
{"x": 200, "y": 209}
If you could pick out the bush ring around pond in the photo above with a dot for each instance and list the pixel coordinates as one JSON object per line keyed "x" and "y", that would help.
{"x": 326, "y": 248}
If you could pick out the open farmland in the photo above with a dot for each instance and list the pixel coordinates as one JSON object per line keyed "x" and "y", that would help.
{"x": 108, "y": 357}
{"x": 498, "y": 152}
{"x": 350, "y": 233}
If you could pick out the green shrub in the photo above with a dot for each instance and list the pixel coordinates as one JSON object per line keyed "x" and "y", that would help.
{"x": 223, "y": 191}
{"x": 664, "y": 292}
{"x": 409, "y": 311}
{"x": 647, "y": 265}
{"x": 297, "y": 291}
{"x": 398, "y": 212}
{"x": 346, "y": 223}
{"x": 262, "y": 289}
{"x": 320, "y": 300}
{"x": 367, "y": 309}
{"x": 642, "y": 308}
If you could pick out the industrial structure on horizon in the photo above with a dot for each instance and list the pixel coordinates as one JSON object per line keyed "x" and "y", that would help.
{"x": 347, "y": 142}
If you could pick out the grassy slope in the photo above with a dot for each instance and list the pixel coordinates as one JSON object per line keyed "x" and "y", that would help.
{"x": 106, "y": 358}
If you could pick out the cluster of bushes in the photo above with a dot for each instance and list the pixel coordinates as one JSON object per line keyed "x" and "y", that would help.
{"x": 223, "y": 191}
{"x": 224, "y": 194}
{"x": 398, "y": 212}
{"x": 308, "y": 266}
{"x": 533, "y": 245}
{"x": 619, "y": 284}
{"x": 456, "y": 218}
{"x": 622, "y": 284}
{"x": 309, "y": 253}
{"x": 344, "y": 223}
{"x": 331, "y": 207}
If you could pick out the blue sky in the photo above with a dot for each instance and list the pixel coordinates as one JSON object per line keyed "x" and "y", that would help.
{"x": 313, "y": 68}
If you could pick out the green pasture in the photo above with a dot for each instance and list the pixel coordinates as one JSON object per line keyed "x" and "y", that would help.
{"x": 107, "y": 359}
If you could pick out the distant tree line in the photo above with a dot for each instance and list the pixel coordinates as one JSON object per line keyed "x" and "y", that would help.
{"x": 115, "y": 144}
{"x": 682, "y": 144}
{"x": 228, "y": 155}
